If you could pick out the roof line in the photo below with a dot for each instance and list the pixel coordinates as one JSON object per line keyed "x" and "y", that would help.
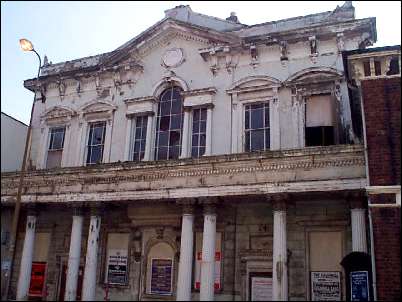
{"x": 14, "y": 118}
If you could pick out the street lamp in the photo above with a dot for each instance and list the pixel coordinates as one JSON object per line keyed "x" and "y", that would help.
{"x": 26, "y": 45}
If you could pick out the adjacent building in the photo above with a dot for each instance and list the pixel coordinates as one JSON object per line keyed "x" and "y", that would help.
{"x": 204, "y": 159}
{"x": 375, "y": 86}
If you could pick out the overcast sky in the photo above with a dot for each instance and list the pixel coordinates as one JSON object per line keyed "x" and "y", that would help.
{"x": 71, "y": 30}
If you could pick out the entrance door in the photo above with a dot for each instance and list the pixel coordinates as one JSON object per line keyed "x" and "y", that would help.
{"x": 63, "y": 282}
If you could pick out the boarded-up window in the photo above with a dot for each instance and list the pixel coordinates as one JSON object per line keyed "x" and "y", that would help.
{"x": 41, "y": 247}
{"x": 325, "y": 255}
{"x": 117, "y": 259}
{"x": 319, "y": 121}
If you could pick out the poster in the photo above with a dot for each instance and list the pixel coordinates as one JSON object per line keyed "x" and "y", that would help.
{"x": 261, "y": 288}
{"x": 37, "y": 283}
{"x": 117, "y": 267}
{"x": 161, "y": 276}
{"x": 359, "y": 286}
{"x": 325, "y": 286}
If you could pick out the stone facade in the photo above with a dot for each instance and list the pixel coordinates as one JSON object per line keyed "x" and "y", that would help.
{"x": 277, "y": 213}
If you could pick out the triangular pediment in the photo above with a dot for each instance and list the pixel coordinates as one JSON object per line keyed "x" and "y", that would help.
{"x": 254, "y": 82}
{"x": 97, "y": 106}
{"x": 164, "y": 32}
{"x": 57, "y": 112}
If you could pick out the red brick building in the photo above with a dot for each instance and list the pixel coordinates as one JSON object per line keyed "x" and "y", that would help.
{"x": 375, "y": 87}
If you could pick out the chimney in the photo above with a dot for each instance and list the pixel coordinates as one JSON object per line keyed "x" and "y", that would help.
{"x": 180, "y": 12}
{"x": 233, "y": 18}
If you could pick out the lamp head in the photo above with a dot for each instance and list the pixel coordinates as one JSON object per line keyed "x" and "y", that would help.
{"x": 26, "y": 45}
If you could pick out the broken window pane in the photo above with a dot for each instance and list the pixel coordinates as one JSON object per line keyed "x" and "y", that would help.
{"x": 170, "y": 117}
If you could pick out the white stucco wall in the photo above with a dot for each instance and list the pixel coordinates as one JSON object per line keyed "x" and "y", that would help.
{"x": 196, "y": 72}
{"x": 13, "y": 136}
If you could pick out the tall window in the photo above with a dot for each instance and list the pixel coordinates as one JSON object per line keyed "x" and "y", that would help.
{"x": 138, "y": 138}
{"x": 199, "y": 132}
{"x": 55, "y": 151}
{"x": 169, "y": 125}
{"x": 96, "y": 140}
{"x": 319, "y": 121}
{"x": 256, "y": 126}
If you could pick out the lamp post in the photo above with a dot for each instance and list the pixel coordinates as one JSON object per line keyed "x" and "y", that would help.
{"x": 26, "y": 45}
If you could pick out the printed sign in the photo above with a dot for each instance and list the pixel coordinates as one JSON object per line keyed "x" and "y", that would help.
{"x": 325, "y": 286}
{"x": 359, "y": 286}
{"x": 161, "y": 276}
{"x": 37, "y": 283}
{"x": 261, "y": 288}
{"x": 117, "y": 267}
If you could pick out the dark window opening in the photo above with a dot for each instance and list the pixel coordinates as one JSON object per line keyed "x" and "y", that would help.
{"x": 96, "y": 140}
{"x": 367, "y": 70}
{"x": 319, "y": 136}
{"x": 169, "y": 125}
{"x": 377, "y": 68}
{"x": 393, "y": 66}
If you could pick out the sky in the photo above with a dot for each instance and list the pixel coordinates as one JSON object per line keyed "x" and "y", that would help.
{"x": 71, "y": 30}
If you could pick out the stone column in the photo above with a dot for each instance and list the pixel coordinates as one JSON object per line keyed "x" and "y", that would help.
{"x": 358, "y": 222}
{"x": 186, "y": 131}
{"x": 208, "y": 254}
{"x": 186, "y": 254}
{"x": 74, "y": 256}
{"x": 208, "y": 143}
{"x": 89, "y": 283}
{"x": 279, "y": 263}
{"x": 148, "y": 140}
{"x": 24, "y": 277}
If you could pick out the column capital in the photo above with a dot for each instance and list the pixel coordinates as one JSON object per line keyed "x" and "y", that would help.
{"x": 209, "y": 204}
{"x": 357, "y": 200}
{"x": 187, "y": 205}
{"x": 32, "y": 209}
{"x": 96, "y": 209}
{"x": 279, "y": 201}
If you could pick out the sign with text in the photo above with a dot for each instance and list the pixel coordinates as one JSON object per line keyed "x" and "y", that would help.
{"x": 359, "y": 286}
{"x": 260, "y": 287}
{"x": 117, "y": 267}
{"x": 325, "y": 286}
{"x": 161, "y": 276}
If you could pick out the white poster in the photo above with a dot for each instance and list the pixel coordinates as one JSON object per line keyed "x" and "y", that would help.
{"x": 325, "y": 286}
{"x": 261, "y": 289}
{"x": 198, "y": 259}
{"x": 117, "y": 266}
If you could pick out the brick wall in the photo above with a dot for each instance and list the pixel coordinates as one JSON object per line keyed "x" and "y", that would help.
{"x": 382, "y": 106}
{"x": 387, "y": 236}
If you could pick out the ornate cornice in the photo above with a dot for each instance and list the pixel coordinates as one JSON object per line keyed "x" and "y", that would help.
{"x": 82, "y": 178}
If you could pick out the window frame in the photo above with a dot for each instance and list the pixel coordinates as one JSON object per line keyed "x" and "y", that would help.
{"x": 199, "y": 133}
{"x": 133, "y": 137}
{"x": 88, "y": 138}
{"x": 265, "y": 104}
{"x": 158, "y": 118}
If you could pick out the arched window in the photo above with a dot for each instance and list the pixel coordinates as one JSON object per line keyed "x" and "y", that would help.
{"x": 169, "y": 124}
